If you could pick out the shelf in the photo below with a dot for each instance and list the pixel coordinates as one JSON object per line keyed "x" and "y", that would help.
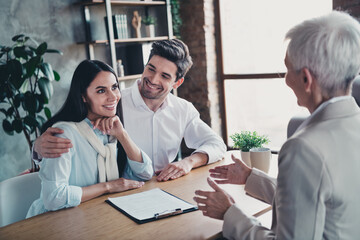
{"x": 128, "y": 40}
{"x": 129, "y": 77}
{"x": 125, "y": 3}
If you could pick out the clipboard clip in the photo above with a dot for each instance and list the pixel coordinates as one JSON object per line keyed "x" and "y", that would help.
{"x": 168, "y": 213}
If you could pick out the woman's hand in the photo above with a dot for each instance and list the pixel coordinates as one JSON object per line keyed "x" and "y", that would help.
{"x": 123, "y": 184}
{"x": 111, "y": 126}
{"x": 118, "y": 185}
{"x": 235, "y": 173}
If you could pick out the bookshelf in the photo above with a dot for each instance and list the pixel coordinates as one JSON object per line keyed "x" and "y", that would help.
{"x": 131, "y": 50}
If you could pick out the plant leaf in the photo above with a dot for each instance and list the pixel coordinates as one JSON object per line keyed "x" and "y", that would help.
{"x": 56, "y": 76}
{"x": 15, "y": 70}
{"x": 20, "y": 52}
{"x": 3, "y": 111}
{"x": 17, "y": 124}
{"x": 18, "y": 99}
{"x": 47, "y": 70}
{"x": 8, "y": 127}
{"x": 30, "y": 121}
{"x": 16, "y": 37}
{"x": 47, "y": 112}
{"x": 54, "y": 51}
{"x": 4, "y": 74}
{"x": 31, "y": 65}
{"x": 25, "y": 86}
{"x": 41, "y": 120}
{"x": 46, "y": 88}
{"x": 41, "y": 49}
{"x": 31, "y": 104}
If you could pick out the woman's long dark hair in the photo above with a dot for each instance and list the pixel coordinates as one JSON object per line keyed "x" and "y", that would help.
{"x": 75, "y": 109}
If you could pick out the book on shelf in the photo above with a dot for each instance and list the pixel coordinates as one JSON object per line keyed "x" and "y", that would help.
{"x": 116, "y": 36}
{"x": 119, "y": 26}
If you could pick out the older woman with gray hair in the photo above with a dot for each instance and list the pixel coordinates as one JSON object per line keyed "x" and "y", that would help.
{"x": 316, "y": 194}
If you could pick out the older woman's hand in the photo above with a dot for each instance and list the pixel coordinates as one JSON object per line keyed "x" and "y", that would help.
{"x": 213, "y": 204}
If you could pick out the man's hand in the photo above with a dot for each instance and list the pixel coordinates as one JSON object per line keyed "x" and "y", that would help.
{"x": 174, "y": 170}
{"x": 49, "y": 146}
{"x": 235, "y": 173}
{"x": 213, "y": 204}
{"x": 183, "y": 167}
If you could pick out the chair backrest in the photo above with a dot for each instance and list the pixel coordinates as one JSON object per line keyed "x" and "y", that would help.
{"x": 295, "y": 121}
{"x": 16, "y": 196}
{"x": 356, "y": 90}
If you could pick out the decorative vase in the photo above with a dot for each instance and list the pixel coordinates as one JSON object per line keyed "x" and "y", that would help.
{"x": 245, "y": 157}
{"x": 150, "y": 30}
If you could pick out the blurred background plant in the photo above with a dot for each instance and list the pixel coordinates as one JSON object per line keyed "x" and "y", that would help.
{"x": 247, "y": 140}
{"x": 25, "y": 87}
{"x": 148, "y": 20}
{"x": 176, "y": 19}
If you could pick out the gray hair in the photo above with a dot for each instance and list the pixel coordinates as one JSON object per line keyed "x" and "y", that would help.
{"x": 329, "y": 46}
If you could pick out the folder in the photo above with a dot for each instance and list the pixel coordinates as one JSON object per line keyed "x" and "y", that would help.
{"x": 151, "y": 205}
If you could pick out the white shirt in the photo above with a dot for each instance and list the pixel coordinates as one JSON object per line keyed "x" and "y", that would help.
{"x": 159, "y": 134}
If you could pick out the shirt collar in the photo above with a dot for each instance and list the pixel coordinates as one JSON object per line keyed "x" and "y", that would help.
{"x": 97, "y": 131}
{"x": 321, "y": 107}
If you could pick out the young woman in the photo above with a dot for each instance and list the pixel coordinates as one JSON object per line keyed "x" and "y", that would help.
{"x": 93, "y": 165}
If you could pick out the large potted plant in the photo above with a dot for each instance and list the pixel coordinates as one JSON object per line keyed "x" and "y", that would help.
{"x": 25, "y": 87}
{"x": 246, "y": 140}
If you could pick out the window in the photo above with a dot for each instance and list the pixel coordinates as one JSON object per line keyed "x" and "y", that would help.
{"x": 256, "y": 97}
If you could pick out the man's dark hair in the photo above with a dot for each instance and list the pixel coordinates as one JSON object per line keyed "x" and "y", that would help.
{"x": 175, "y": 51}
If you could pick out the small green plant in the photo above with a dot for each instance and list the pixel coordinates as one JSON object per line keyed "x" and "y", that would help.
{"x": 247, "y": 140}
{"x": 148, "y": 20}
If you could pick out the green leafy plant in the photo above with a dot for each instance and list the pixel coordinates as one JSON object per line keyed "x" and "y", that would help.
{"x": 148, "y": 20}
{"x": 176, "y": 19}
{"x": 25, "y": 86}
{"x": 247, "y": 140}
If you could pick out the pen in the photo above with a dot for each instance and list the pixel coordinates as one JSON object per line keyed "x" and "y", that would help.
{"x": 168, "y": 213}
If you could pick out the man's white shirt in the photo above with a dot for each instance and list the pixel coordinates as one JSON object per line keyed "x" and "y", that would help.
{"x": 159, "y": 134}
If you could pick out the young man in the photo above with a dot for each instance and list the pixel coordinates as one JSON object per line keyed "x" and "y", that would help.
{"x": 156, "y": 120}
{"x": 315, "y": 195}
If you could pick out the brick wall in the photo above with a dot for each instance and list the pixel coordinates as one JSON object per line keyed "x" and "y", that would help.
{"x": 351, "y": 6}
{"x": 201, "y": 84}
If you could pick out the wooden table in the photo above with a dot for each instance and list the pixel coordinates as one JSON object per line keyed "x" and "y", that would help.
{"x": 96, "y": 219}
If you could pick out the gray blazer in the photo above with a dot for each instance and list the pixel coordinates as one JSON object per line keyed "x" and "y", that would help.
{"x": 317, "y": 195}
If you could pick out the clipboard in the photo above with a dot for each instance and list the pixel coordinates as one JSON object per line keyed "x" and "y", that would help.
{"x": 151, "y": 205}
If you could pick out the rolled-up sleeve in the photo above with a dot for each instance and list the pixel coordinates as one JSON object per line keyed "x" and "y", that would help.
{"x": 139, "y": 170}
{"x": 199, "y": 136}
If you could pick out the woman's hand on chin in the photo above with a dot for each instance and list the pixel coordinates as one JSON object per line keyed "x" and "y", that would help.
{"x": 109, "y": 125}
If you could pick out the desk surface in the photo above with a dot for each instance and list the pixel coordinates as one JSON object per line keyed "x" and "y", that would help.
{"x": 96, "y": 219}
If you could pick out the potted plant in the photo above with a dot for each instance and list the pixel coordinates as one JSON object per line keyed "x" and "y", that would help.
{"x": 149, "y": 22}
{"x": 25, "y": 87}
{"x": 247, "y": 140}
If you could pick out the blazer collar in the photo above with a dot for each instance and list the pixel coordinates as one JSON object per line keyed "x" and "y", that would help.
{"x": 338, "y": 109}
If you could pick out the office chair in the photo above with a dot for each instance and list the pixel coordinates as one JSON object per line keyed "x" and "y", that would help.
{"x": 16, "y": 196}
{"x": 295, "y": 121}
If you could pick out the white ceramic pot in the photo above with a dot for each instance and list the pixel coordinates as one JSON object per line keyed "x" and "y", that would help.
{"x": 260, "y": 158}
{"x": 245, "y": 156}
{"x": 150, "y": 30}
